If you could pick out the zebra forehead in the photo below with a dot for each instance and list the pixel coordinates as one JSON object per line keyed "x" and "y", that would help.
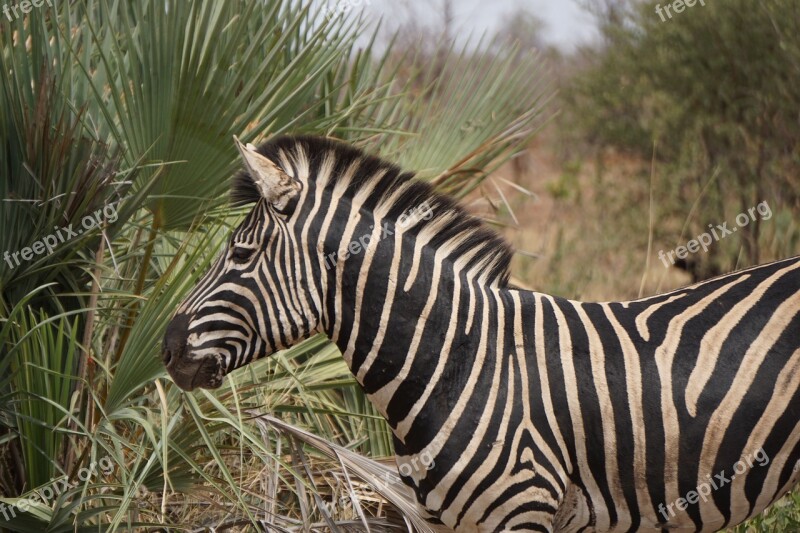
{"x": 386, "y": 190}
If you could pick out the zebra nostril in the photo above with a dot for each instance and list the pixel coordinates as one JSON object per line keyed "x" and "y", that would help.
{"x": 174, "y": 343}
{"x": 166, "y": 356}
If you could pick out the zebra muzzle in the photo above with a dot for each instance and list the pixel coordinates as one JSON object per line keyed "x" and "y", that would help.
{"x": 203, "y": 372}
{"x": 187, "y": 370}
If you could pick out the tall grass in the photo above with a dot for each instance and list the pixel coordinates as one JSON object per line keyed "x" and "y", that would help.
{"x": 134, "y": 105}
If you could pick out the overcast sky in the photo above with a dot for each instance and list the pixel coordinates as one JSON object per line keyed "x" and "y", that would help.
{"x": 568, "y": 24}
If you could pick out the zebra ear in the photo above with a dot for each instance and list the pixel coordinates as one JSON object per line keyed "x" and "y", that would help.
{"x": 273, "y": 183}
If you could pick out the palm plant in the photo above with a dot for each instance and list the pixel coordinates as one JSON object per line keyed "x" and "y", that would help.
{"x": 133, "y": 105}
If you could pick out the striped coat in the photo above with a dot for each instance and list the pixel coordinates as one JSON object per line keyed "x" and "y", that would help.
{"x": 511, "y": 409}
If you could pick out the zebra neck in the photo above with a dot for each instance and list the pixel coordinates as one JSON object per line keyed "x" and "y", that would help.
{"x": 400, "y": 324}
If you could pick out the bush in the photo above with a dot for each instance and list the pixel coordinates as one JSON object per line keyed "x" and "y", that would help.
{"x": 713, "y": 93}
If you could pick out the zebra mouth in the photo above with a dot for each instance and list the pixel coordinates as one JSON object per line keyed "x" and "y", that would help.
{"x": 204, "y": 372}
{"x": 189, "y": 370}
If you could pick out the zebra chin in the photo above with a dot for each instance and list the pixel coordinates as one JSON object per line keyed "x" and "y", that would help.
{"x": 191, "y": 373}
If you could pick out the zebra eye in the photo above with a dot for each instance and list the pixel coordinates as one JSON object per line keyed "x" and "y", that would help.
{"x": 241, "y": 255}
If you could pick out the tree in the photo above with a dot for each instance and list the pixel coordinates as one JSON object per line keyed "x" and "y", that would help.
{"x": 715, "y": 90}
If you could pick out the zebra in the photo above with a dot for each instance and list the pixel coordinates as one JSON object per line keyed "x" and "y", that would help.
{"x": 511, "y": 410}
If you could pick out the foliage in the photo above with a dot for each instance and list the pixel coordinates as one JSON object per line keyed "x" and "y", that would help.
{"x": 712, "y": 93}
{"x": 783, "y": 515}
{"x": 133, "y": 105}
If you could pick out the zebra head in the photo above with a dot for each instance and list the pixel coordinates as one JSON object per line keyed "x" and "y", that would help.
{"x": 229, "y": 318}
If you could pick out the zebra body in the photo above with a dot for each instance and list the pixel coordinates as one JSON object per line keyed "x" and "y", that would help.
{"x": 511, "y": 409}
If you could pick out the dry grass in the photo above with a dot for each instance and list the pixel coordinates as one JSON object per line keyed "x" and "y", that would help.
{"x": 583, "y": 233}
{"x": 312, "y": 485}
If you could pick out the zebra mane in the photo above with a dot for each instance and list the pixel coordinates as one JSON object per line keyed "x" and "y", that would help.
{"x": 481, "y": 248}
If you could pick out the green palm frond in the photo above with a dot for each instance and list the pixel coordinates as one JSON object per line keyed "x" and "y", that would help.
{"x": 472, "y": 112}
{"x": 134, "y": 105}
{"x": 187, "y": 76}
